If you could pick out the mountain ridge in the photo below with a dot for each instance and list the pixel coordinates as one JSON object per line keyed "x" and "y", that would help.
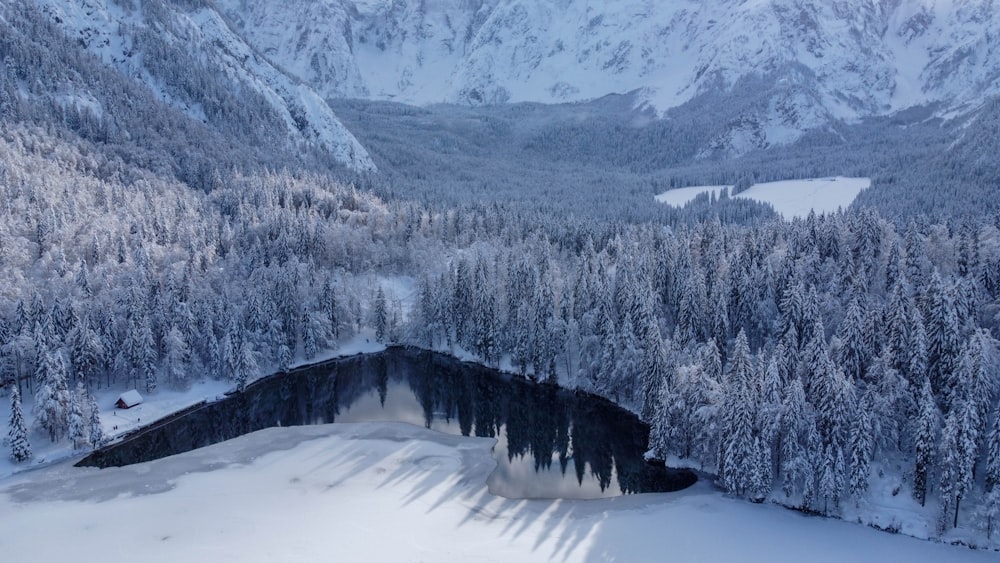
{"x": 827, "y": 61}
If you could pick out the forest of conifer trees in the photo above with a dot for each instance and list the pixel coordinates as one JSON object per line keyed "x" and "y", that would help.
{"x": 794, "y": 360}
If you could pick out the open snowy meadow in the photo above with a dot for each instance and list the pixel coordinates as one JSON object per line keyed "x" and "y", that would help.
{"x": 394, "y": 492}
{"x": 790, "y": 198}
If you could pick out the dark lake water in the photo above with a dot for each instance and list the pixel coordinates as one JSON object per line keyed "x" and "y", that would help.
{"x": 551, "y": 443}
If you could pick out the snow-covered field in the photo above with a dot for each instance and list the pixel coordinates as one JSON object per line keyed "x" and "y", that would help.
{"x": 790, "y": 198}
{"x": 117, "y": 422}
{"x": 679, "y": 196}
{"x": 394, "y": 492}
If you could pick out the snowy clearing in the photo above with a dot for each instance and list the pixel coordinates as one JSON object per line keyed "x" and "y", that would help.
{"x": 795, "y": 198}
{"x": 395, "y": 492}
{"x": 790, "y": 198}
{"x": 164, "y": 402}
{"x": 680, "y": 196}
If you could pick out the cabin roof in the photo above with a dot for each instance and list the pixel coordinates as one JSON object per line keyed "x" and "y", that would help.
{"x": 130, "y": 398}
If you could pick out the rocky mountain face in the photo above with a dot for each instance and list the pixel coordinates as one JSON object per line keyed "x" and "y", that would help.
{"x": 788, "y": 65}
{"x": 188, "y": 55}
{"x": 803, "y": 62}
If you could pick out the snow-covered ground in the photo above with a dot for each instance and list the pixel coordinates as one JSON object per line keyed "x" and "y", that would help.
{"x": 794, "y": 198}
{"x": 117, "y": 422}
{"x": 394, "y": 492}
{"x": 790, "y": 198}
{"x": 680, "y": 196}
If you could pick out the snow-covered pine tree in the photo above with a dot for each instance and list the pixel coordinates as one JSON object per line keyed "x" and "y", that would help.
{"x": 993, "y": 451}
{"x": 76, "y": 422}
{"x": 988, "y": 513}
{"x": 52, "y": 401}
{"x": 380, "y": 315}
{"x": 96, "y": 429}
{"x": 176, "y": 358}
{"x": 959, "y": 445}
{"x": 146, "y": 359}
{"x": 853, "y": 356}
{"x": 861, "y": 446}
{"x": 737, "y": 439}
{"x": 769, "y": 410}
{"x": 796, "y": 426}
{"x": 17, "y": 432}
{"x": 246, "y": 363}
{"x": 943, "y": 340}
{"x": 925, "y": 440}
{"x": 310, "y": 345}
{"x": 284, "y": 357}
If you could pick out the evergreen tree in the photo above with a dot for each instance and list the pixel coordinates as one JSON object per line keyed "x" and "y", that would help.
{"x": 76, "y": 421}
{"x": 861, "y": 447}
{"x": 52, "y": 401}
{"x": 738, "y": 442}
{"x": 96, "y": 435}
{"x": 958, "y": 458}
{"x": 993, "y": 451}
{"x": 853, "y": 354}
{"x": 796, "y": 426}
{"x": 380, "y": 315}
{"x": 284, "y": 358}
{"x": 310, "y": 344}
{"x": 925, "y": 437}
{"x": 17, "y": 433}
{"x": 943, "y": 337}
{"x": 176, "y": 358}
{"x": 989, "y": 511}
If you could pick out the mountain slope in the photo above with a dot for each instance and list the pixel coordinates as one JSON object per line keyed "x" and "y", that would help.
{"x": 823, "y": 61}
{"x": 189, "y": 57}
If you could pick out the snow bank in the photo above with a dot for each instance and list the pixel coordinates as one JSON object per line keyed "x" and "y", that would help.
{"x": 394, "y": 492}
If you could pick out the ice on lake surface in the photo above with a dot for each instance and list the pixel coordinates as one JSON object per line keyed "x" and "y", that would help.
{"x": 550, "y": 443}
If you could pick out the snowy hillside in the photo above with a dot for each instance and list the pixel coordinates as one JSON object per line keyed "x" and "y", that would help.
{"x": 809, "y": 61}
{"x": 140, "y": 40}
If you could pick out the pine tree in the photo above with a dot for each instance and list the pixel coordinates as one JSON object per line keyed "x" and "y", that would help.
{"x": 176, "y": 358}
{"x": 76, "y": 421}
{"x": 284, "y": 358}
{"x": 96, "y": 429}
{"x": 310, "y": 344}
{"x": 958, "y": 459}
{"x": 943, "y": 340}
{"x": 146, "y": 358}
{"x": 989, "y": 511}
{"x": 380, "y": 314}
{"x": 52, "y": 401}
{"x": 993, "y": 451}
{"x": 853, "y": 355}
{"x": 797, "y": 424}
{"x": 916, "y": 367}
{"x": 861, "y": 447}
{"x": 17, "y": 433}
{"x": 925, "y": 436}
{"x": 738, "y": 441}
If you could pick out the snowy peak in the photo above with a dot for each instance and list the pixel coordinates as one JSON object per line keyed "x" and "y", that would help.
{"x": 861, "y": 57}
{"x": 144, "y": 40}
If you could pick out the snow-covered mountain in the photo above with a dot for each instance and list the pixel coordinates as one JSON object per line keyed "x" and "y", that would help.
{"x": 780, "y": 67}
{"x": 812, "y": 61}
{"x": 135, "y": 37}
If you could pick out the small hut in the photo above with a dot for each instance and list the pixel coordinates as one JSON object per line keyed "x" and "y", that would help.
{"x": 128, "y": 399}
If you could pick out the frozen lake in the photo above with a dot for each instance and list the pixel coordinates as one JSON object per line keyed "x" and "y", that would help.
{"x": 551, "y": 443}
